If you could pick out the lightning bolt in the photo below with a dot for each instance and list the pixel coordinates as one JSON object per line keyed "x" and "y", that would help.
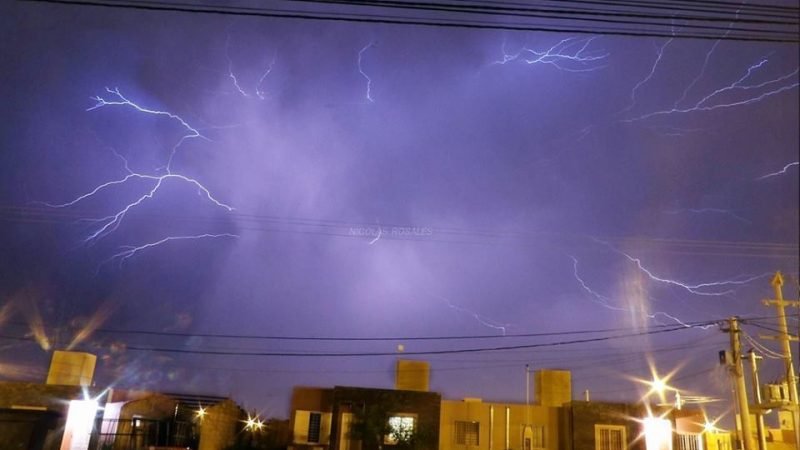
{"x": 696, "y": 289}
{"x": 363, "y": 74}
{"x": 570, "y": 54}
{"x": 154, "y": 181}
{"x": 605, "y": 302}
{"x": 232, "y": 75}
{"x": 110, "y": 223}
{"x": 192, "y": 133}
{"x": 706, "y": 104}
{"x": 659, "y": 55}
{"x": 502, "y": 327}
{"x": 259, "y": 92}
{"x": 705, "y": 63}
{"x": 780, "y": 172}
{"x": 131, "y": 250}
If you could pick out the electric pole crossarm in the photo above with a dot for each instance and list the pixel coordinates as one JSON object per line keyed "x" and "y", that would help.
{"x": 778, "y": 338}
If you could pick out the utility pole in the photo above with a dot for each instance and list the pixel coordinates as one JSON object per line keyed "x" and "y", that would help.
{"x": 780, "y": 305}
{"x": 737, "y": 372}
{"x": 762, "y": 435}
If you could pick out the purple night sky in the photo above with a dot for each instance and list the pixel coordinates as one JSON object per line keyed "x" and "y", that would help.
{"x": 348, "y": 180}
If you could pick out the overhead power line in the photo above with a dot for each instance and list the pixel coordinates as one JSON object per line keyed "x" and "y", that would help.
{"x": 414, "y": 353}
{"x": 370, "y": 338}
{"x": 440, "y": 234}
{"x": 554, "y": 22}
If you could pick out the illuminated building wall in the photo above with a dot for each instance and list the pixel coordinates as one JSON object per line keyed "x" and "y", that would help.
{"x": 552, "y": 387}
{"x": 412, "y": 375}
{"x": 71, "y": 368}
{"x": 472, "y": 424}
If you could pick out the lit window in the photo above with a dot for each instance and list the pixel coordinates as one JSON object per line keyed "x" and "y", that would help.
{"x": 467, "y": 433}
{"x": 314, "y": 425}
{"x": 401, "y": 428}
{"x": 609, "y": 437}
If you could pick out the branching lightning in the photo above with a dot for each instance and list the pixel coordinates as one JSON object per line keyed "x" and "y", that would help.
{"x": 605, "y": 302}
{"x": 502, "y": 327}
{"x": 700, "y": 74}
{"x": 780, "y": 172}
{"x": 705, "y": 63}
{"x": 711, "y": 102}
{"x": 111, "y": 222}
{"x": 659, "y": 55}
{"x": 363, "y": 74}
{"x": 192, "y": 133}
{"x": 703, "y": 289}
{"x": 156, "y": 181}
{"x": 570, "y": 54}
{"x": 130, "y": 250}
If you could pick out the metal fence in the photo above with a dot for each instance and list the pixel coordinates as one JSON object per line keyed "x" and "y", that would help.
{"x": 141, "y": 434}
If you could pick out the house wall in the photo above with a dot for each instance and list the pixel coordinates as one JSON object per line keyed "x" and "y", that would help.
{"x": 579, "y": 420}
{"x": 501, "y": 425}
{"x": 33, "y": 415}
{"x": 425, "y": 406}
{"x": 307, "y": 400}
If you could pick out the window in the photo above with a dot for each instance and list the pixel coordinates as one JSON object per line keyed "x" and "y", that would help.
{"x": 401, "y": 428}
{"x": 468, "y": 433}
{"x": 533, "y": 437}
{"x": 609, "y": 437}
{"x": 314, "y": 425}
{"x": 689, "y": 442}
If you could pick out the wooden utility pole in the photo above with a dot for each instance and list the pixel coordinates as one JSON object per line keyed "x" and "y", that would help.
{"x": 737, "y": 372}
{"x": 785, "y": 338}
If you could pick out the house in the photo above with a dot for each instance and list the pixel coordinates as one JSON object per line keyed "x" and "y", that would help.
{"x": 68, "y": 413}
{"x": 337, "y": 418}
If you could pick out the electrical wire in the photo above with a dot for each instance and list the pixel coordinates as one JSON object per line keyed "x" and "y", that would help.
{"x": 737, "y": 34}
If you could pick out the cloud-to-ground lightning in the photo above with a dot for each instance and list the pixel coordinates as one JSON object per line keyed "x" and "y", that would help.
{"x": 711, "y": 288}
{"x": 361, "y": 70}
{"x": 570, "y": 54}
{"x": 780, "y": 172}
{"x": 502, "y": 327}
{"x": 155, "y": 181}
{"x": 605, "y": 301}
{"x": 131, "y": 250}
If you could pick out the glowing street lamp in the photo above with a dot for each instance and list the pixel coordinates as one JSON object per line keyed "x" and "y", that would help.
{"x": 253, "y": 423}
